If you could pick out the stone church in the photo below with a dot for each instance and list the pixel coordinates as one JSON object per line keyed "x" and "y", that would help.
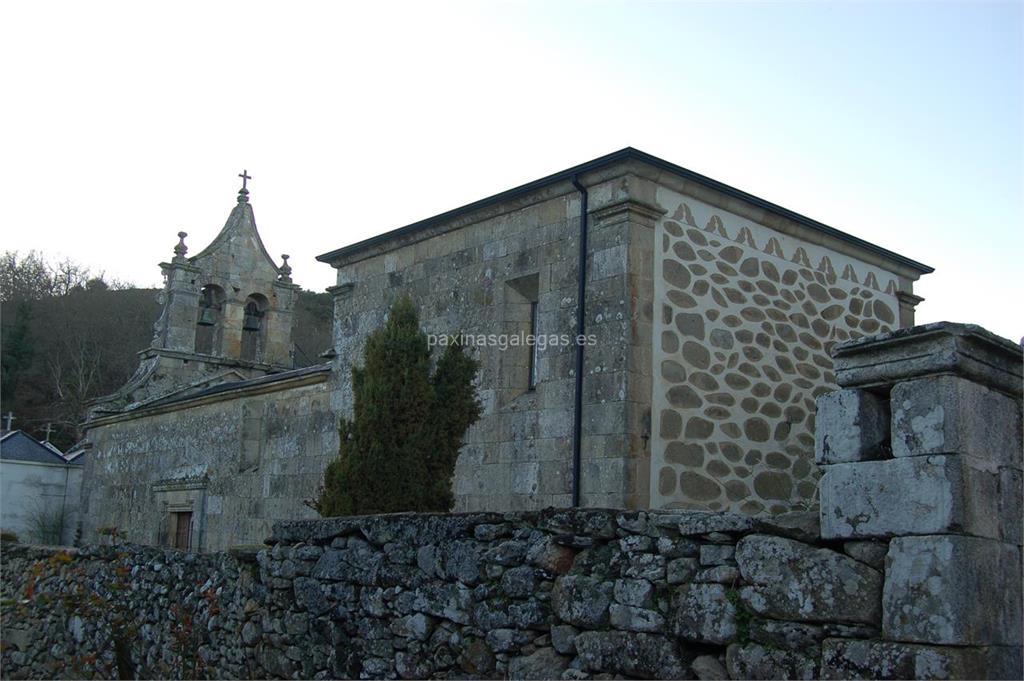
{"x": 708, "y": 315}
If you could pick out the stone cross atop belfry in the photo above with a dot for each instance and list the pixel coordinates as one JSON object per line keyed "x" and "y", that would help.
{"x": 243, "y": 193}
{"x": 8, "y": 418}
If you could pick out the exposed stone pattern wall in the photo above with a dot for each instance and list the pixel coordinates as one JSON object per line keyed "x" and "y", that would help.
{"x": 746, "y": 320}
{"x": 236, "y": 464}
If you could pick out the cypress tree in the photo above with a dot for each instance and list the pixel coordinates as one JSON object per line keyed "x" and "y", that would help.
{"x": 453, "y": 410}
{"x": 398, "y": 451}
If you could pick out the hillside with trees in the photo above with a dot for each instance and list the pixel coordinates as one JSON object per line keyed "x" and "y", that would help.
{"x": 70, "y": 335}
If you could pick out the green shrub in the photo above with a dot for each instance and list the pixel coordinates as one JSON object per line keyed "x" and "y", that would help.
{"x": 8, "y": 535}
{"x": 398, "y": 451}
{"x": 44, "y": 524}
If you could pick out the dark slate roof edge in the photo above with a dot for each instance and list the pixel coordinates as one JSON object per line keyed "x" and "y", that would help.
{"x": 41, "y": 453}
{"x": 241, "y": 385}
{"x": 627, "y": 154}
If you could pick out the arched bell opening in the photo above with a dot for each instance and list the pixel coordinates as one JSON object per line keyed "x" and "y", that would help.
{"x": 210, "y": 321}
{"x": 254, "y": 328}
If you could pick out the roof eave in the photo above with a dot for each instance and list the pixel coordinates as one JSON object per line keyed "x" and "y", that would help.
{"x": 622, "y": 155}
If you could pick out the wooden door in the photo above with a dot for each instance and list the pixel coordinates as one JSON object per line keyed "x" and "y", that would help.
{"x": 183, "y": 530}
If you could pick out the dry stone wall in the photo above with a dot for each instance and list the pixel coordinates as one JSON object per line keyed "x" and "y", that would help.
{"x": 911, "y": 570}
{"x": 555, "y": 594}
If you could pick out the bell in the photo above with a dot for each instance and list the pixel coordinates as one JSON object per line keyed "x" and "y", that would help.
{"x": 251, "y": 322}
{"x": 207, "y": 317}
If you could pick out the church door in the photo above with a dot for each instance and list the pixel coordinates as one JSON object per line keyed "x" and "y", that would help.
{"x": 183, "y": 530}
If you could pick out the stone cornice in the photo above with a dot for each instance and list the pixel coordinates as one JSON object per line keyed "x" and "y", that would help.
{"x": 246, "y": 390}
{"x": 627, "y": 210}
{"x": 908, "y": 298}
{"x": 931, "y": 349}
{"x": 287, "y": 285}
{"x": 180, "y": 484}
{"x": 341, "y": 289}
{"x": 210, "y": 359}
{"x": 778, "y": 222}
{"x": 179, "y": 266}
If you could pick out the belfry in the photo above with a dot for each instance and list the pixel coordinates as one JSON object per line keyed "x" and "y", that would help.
{"x": 227, "y": 313}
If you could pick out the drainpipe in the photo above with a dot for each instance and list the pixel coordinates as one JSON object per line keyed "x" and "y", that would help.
{"x": 64, "y": 502}
{"x": 581, "y": 299}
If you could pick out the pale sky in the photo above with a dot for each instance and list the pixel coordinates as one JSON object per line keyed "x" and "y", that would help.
{"x": 123, "y": 123}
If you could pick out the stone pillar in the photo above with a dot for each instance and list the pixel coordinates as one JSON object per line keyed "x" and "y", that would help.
{"x": 181, "y": 299}
{"x": 922, "y": 457}
{"x": 278, "y": 348}
{"x": 908, "y": 303}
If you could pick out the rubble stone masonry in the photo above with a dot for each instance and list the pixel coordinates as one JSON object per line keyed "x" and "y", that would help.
{"x": 911, "y": 570}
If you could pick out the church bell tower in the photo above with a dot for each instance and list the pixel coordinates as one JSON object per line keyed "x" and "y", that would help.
{"x": 227, "y": 313}
{"x": 230, "y": 304}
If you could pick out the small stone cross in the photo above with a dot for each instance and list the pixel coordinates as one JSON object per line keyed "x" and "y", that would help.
{"x": 9, "y": 417}
{"x": 245, "y": 176}
{"x": 48, "y": 429}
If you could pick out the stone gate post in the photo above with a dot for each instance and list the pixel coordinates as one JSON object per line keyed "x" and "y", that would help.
{"x": 922, "y": 458}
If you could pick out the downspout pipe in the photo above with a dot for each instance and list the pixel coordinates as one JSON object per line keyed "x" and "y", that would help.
{"x": 64, "y": 502}
{"x": 581, "y": 316}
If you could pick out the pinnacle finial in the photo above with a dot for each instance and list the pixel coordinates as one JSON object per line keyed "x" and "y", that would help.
{"x": 243, "y": 193}
{"x": 285, "y": 270}
{"x": 180, "y": 249}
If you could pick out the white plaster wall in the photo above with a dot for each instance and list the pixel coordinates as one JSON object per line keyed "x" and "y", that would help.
{"x": 29, "y": 488}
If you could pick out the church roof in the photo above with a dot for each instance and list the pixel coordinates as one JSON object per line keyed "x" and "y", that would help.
{"x": 18, "y": 445}
{"x": 621, "y": 156}
{"x": 228, "y": 386}
{"x": 76, "y": 455}
{"x": 241, "y": 222}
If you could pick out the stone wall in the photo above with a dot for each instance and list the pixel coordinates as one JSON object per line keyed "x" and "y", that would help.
{"x": 748, "y": 317}
{"x": 236, "y": 460}
{"x": 557, "y": 594}
{"x": 658, "y": 595}
{"x": 710, "y": 314}
{"x": 478, "y": 274}
{"x": 712, "y": 323}
{"x": 911, "y": 570}
{"x": 237, "y": 263}
{"x": 922, "y": 449}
